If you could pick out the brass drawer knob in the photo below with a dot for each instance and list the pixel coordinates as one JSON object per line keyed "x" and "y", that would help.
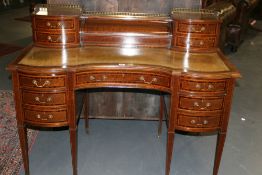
{"x": 52, "y": 40}
{"x": 210, "y": 87}
{"x": 49, "y": 116}
{"x": 196, "y": 104}
{"x": 205, "y": 122}
{"x": 198, "y": 86}
{"x": 48, "y": 99}
{"x": 48, "y": 24}
{"x": 208, "y": 104}
{"x": 193, "y": 29}
{"x": 38, "y": 116}
{"x": 193, "y": 121}
{"x": 201, "y": 43}
{"x": 92, "y": 78}
{"x": 142, "y": 78}
{"x": 59, "y": 24}
{"x": 46, "y": 83}
{"x": 202, "y": 106}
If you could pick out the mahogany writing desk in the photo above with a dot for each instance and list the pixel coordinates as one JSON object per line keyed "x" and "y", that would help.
{"x": 194, "y": 72}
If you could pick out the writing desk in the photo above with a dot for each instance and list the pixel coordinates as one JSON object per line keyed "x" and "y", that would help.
{"x": 200, "y": 80}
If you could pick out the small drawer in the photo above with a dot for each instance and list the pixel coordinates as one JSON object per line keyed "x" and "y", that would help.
{"x": 199, "y": 122}
{"x": 56, "y": 38}
{"x": 50, "y": 23}
{"x": 42, "y": 82}
{"x": 198, "y": 28}
{"x": 149, "y": 79}
{"x": 45, "y": 116}
{"x": 37, "y": 98}
{"x": 201, "y": 104}
{"x": 207, "y": 86}
{"x": 198, "y": 43}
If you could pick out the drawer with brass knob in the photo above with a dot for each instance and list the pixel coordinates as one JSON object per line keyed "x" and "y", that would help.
{"x": 203, "y": 85}
{"x": 44, "y": 98}
{"x": 45, "y": 116}
{"x": 58, "y": 39}
{"x": 201, "y": 104}
{"x": 197, "y": 28}
{"x": 42, "y": 82}
{"x": 50, "y": 23}
{"x": 198, "y": 122}
{"x": 194, "y": 42}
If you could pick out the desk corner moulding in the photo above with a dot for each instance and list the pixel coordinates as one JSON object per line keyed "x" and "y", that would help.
{"x": 176, "y": 54}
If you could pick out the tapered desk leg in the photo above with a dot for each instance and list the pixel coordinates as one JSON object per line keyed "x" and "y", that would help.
{"x": 169, "y": 150}
{"x": 22, "y": 131}
{"x": 221, "y": 137}
{"x": 86, "y": 112}
{"x": 73, "y": 142}
{"x": 161, "y": 114}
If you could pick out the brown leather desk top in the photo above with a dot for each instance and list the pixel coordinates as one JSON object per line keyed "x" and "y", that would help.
{"x": 200, "y": 62}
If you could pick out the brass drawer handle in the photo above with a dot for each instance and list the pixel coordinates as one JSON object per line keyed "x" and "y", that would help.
{"x": 201, "y": 43}
{"x": 46, "y": 83}
{"x": 93, "y": 78}
{"x": 142, "y": 78}
{"x": 210, "y": 87}
{"x": 207, "y": 105}
{"x": 205, "y": 122}
{"x": 196, "y": 104}
{"x": 37, "y": 99}
{"x": 193, "y": 29}
{"x": 50, "y": 116}
{"x": 198, "y": 86}
{"x": 59, "y": 24}
{"x": 193, "y": 121}
{"x": 50, "y": 39}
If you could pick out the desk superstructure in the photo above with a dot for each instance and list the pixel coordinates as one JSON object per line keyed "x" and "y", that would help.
{"x": 177, "y": 55}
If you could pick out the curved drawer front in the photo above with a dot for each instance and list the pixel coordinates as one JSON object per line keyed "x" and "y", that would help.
{"x": 207, "y": 86}
{"x": 149, "y": 79}
{"x": 197, "y": 28}
{"x": 201, "y": 104}
{"x": 42, "y": 82}
{"x": 199, "y": 122}
{"x": 197, "y": 42}
{"x": 50, "y": 23}
{"x": 36, "y": 98}
{"x": 45, "y": 116}
{"x": 56, "y": 38}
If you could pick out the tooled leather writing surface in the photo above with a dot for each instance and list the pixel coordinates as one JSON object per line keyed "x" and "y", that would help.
{"x": 208, "y": 62}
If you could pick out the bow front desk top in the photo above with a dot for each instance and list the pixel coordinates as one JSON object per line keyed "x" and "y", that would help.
{"x": 176, "y": 61}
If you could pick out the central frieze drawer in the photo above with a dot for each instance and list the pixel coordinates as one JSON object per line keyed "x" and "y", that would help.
{"x": 123, "y": 77}
{"x": 42, "y": 82}
{"x": 198, "y": 28}
{"x": 202, "y": 104}
{"x": 207, "y": 86}
{"x": 36, "y": 98}
{"x": 199, "y": 122}
{"x": 45, "y": 116}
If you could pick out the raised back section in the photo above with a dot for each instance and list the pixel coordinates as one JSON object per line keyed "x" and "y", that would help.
{"x": 71, "y": 26}
{"x": 126, "y": 30}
